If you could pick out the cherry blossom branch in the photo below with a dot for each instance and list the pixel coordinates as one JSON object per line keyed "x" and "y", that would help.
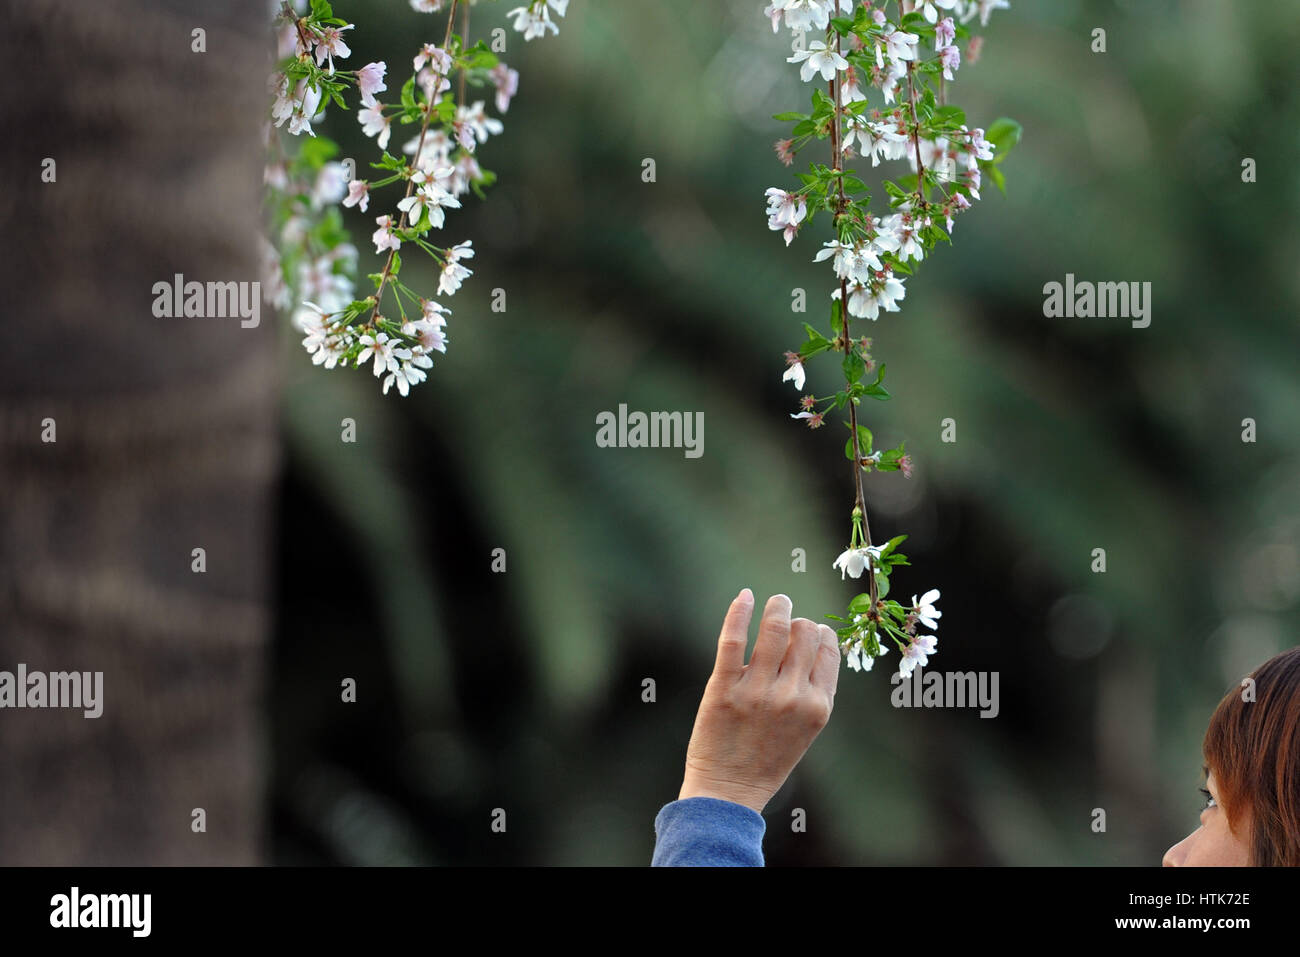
{"x": 410, "y": 183}
{"x": 872, "y": 256}
{"x": 837, "y": 165}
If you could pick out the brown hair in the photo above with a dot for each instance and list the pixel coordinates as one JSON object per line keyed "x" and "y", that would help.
{"x": 1253, "y": 749}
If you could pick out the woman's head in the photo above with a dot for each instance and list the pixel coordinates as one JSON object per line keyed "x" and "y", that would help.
{"x": 1252, "y": 763}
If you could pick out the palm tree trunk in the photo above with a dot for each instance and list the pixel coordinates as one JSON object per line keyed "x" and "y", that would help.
{"x": 166, "y": 432}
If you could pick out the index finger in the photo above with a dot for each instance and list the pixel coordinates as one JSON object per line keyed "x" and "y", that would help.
{"x": 735, "y": 635}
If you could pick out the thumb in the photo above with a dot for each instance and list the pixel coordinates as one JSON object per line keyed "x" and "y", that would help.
{"x": 734, "y": 636}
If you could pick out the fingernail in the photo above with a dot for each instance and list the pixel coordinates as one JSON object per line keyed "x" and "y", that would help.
{"x": 745, "y": 594}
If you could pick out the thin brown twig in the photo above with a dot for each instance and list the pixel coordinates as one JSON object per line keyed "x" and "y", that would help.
{"x": 860, "y": 503}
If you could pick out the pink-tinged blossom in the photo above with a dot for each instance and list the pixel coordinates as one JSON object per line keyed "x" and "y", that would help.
{"x": 978, "y": 145}
{"x": 986, "y": 7}
{"x": 774, "y": 11}
{"x": 930, "y": 8}
{"x": 432, "y": 82}
{"x": 464, "y": 171}
{"x": 373, "y": 121}
{"x": 818, "y": 58}
{"x": 370, "y": 80}
{"x": 856, "y": 655}
{"x": 430, "y": 198}
{"x": 535, "y": 19}
{"x": 784, "y": 151}
{"x": 384, "y": 237}
{"x": 317, "y": 278}
{"x": 297, "y": 107}
{"x": 330, "y": 45}
{"x": 288, "y": 42}
{"x": 961, "y": 203}
{"x": 866, "y": 299}
{"x": 917, "y": 654}
{"x": 464, "y": 134}
{"x": 925, "y": 611}
{"x": 431, "y": 335}
{"x": 380, "y": 347}
{"x": 815, "y": 419}
{"x": 358, "y": 194}
{"x": 973, "y": 49}
{"x": 795, "y": 371}
{"x": 437, "y": 58}
{"x": 890, "y": 77}
{"x": 330, "y": 186}
{"x": 899, "y": 45}
{"x": 886, "y": 140}
{"x": 506, "y": 81}
{"x": 434, "y": 152}
{"x": 804, "y": 15}
{"x": 476, "y": 118}
{"x": 785, "y": 211}
{"x": 453, "y": 273}
{"x": 850, "y": 91}
{"x": 944, "y": 33}
{"x": 905, "y": 465}
{"x": 949, "y": 59}
{"x": 426, "y": 6}
{"x": 900, "y": 236}
{"x": 405, "y": 375}
{"x": 854, "y": 561}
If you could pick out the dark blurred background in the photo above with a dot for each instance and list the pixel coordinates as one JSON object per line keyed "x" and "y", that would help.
{"x": 522, "y": 690}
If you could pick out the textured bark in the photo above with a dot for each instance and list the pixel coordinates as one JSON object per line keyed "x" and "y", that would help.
{"x": 166, "y": 431}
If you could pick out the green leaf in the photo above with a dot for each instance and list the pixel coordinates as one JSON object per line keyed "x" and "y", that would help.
{"x": 837, "y": 323}
{"x": 822, "y": 103}
{"x": 995, "y": 174}
{"x": 950, "y": 116}
{"x": 317, "y": 150}
{"x": 865, "y": 438}
{"x": 1003, "y": 134}
{"x": 408, "y": 94}
{"x": 853, "y": 367}
{"x": 397, "y": 264}
{"x": 875, "y": 389}
{"x": 816, "y": 343}
{"x": 789, "y": 117}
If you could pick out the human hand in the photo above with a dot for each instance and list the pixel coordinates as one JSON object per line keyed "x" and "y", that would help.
{"x": 757, "y": 720}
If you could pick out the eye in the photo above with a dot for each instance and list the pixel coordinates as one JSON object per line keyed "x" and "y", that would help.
{"x": 1209, "y": 799}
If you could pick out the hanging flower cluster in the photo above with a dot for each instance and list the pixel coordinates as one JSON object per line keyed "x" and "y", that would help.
{"x": 903, "y": 52}
{"x": 312, "y": 261}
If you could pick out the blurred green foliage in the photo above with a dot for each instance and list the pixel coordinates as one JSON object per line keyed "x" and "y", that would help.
{"x": 523, "y": 690}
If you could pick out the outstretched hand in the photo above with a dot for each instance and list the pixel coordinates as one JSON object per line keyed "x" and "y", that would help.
{"x": 757, "y": 720}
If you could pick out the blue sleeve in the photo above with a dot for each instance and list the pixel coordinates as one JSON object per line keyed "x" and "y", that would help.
{"x": 708, "y": 832}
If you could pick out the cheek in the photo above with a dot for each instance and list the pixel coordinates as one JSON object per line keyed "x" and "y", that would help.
{"x": 1216, "y": 845}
